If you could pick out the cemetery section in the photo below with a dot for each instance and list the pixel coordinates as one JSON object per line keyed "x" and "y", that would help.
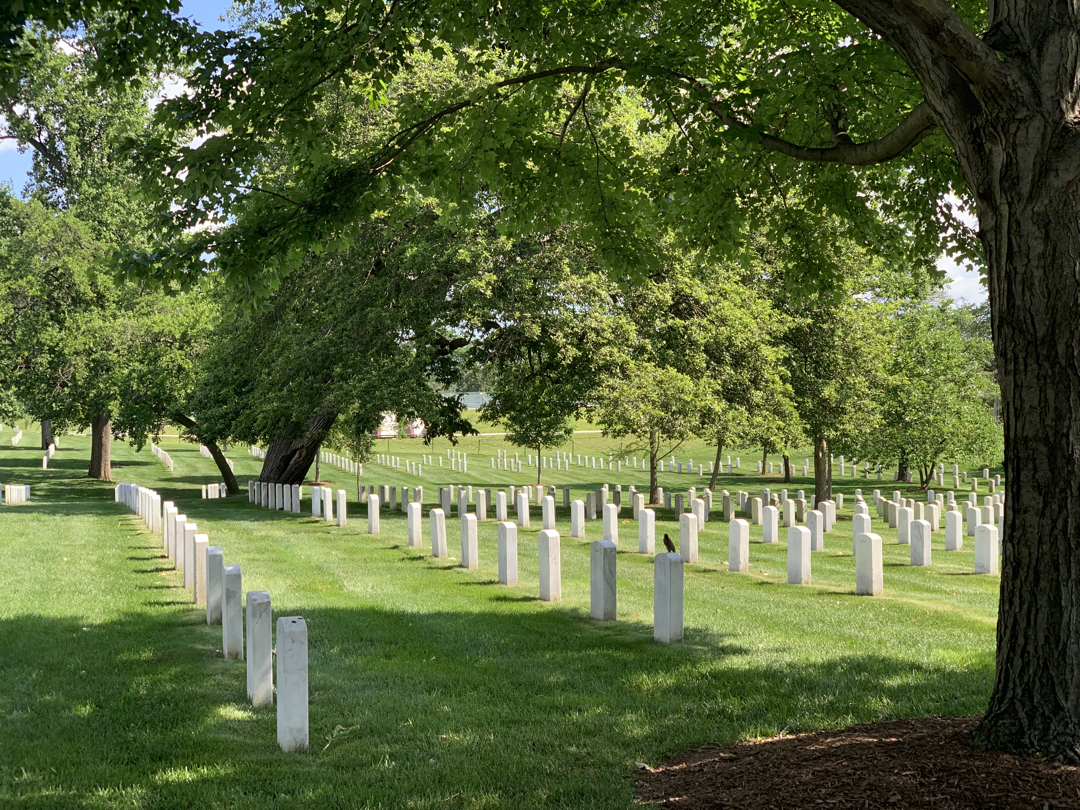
{"x": 426, "y": 676}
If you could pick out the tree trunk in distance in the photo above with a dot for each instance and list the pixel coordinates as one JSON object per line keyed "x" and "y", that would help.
{"x": 288, "y": 460}
{"x": 215, "y": 452}
{"x": 787, "y": 468}
{"x": 46, "y": 434}
{"x": 716, "y": 465}
{"x": 101, "y": 447}
{"x": 654, "y": 443}
{"x": 821, "y": 470}
{"x": 539, "y": 465}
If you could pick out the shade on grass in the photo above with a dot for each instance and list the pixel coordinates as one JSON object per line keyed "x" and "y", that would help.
{"x": 431, "y": 686}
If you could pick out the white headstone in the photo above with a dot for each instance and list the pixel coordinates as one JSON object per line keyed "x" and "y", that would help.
{"x": 611, "y": 523}
{"x": 232, "y": 614}
{"x": 577, "y": 519}
{"x": 688, "y": 537}
{"x": 815, "y": 524}
{"x": 260, "y": 645}
{"x": 469, "y": 547}
{"x": 602, "y": 580}
{"x": 770, "y": 530}
{"x": 548, "y": 512}
{"x": 667, "y": 597}
{"x": 986, "y": 549}
{"x": 739, "y": 546}
{"x": 920, "y": 542}
{"x": 798, "y": 558}
{"x": 646, "y": 531}
{"x": 904, "y": 517}
{"x": 508, "y": 567}
{"x": 550, "y": 566}
{"x": 868, "y": 565}
{"x": 438, "y": 533}
{"x": 292, "y": 683}
{"x": 523, "y": 510}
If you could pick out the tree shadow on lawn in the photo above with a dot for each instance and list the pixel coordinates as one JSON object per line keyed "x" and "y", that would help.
{"x": 413, "y": 704}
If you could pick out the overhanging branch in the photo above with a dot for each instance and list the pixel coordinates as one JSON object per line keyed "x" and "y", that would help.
{"x": 914, "y": 128}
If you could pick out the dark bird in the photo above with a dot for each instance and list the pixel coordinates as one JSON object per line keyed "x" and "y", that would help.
{"x": 668, "y": 544}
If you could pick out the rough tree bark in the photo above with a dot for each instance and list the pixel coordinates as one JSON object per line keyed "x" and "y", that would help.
{"x": 101, "y": 447}
{"x": 46, "y": 434}
{"x": 289, "y": 457}
{"x": 822, "y": 484}
{"x": 215, "y": 452}
{"x": 1028, "y": 212}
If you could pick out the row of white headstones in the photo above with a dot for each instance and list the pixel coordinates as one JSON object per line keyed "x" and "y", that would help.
{"x": 802, "y": 540}
{"x": 49, "y": 453}
{"x": 341, "y": 462}
{"x": 913, "y": 530}
{"x": 162, "y": 456}
{"x": 288, "y": 497}
{"x": 218, "y": 588}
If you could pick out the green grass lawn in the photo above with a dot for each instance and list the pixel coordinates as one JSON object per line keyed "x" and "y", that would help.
{"x": 431, "y": 686}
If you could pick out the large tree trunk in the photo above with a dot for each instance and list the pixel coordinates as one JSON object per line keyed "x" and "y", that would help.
{"x": 289, "y": 457}
{"x": 46, "y": 434}
{"x": 1033, "y": 250}
{"x": 1008, "y": 100}
{"x": 215, "y": 452}
{"x": 101, "y": 447}
{"x": 822, "y": 485}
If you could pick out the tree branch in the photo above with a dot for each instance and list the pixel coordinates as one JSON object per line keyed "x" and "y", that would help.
{"x": 950, "y": 36}
{"x": 914, "y": 128}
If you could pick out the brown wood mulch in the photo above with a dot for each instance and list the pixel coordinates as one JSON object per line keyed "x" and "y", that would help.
{"x": 923, "y": 763}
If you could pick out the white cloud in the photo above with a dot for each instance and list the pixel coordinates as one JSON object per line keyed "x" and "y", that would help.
{"x": 963, "y": 285}
{"x": 171, "y": 87}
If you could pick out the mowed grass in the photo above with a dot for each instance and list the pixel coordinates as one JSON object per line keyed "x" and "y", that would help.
{"x": 432, "y": 686}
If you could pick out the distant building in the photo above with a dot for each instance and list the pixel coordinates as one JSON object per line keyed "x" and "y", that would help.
{"x": 391, "y": 429}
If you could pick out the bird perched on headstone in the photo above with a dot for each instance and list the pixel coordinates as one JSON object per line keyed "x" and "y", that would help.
{"x": 668, "y": 544}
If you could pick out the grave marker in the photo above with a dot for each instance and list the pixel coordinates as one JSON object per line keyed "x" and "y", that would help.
{"x": 667, "y": 598}
{"x": 260, "y": 643}
{"x": 602, "y": 585}
{"x": 508, "y": 562}
{"x": 292, "y": 683}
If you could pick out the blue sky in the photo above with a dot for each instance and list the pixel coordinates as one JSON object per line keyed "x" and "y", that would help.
{"x": 14, "y": 166}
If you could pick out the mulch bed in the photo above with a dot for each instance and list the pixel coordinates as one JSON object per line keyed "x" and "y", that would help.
{"x": 923, "y": 763}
